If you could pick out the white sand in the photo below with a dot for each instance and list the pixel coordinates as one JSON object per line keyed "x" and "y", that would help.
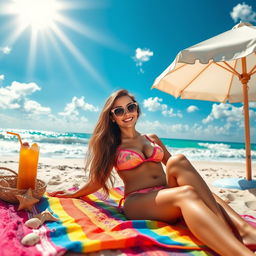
{"x": 61, "y": 174}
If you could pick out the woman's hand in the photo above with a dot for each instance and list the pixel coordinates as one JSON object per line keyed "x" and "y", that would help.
{"x": 63, "y": 194}
{"x": 87, "y": 189}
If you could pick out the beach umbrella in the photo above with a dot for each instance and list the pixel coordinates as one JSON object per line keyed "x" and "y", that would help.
{"x": 220, "y": 69}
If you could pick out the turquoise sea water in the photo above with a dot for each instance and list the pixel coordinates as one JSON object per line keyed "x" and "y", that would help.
{"x": 74, "y": 145}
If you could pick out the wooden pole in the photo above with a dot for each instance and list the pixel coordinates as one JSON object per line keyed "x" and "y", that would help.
{"x": 244, "y": 78}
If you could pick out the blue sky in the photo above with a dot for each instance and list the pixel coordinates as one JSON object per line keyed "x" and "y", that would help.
{"x": 56, "y": 76}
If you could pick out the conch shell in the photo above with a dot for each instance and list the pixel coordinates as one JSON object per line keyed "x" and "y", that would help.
{"x": 33, "y": 223}
{"x": 39, "y": 219}
{"x": 46, "y": 216}
{"x": 30, "y": 239}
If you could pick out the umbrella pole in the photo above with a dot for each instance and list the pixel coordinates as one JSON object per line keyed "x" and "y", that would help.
{"x": 244, "y": 79}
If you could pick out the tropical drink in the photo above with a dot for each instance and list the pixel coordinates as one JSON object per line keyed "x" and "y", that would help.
{"x": 28, "y": 166}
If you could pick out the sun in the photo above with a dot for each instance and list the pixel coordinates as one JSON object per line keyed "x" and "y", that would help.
{"x": 46, "y": 24}
{"x": 37, "y": 14}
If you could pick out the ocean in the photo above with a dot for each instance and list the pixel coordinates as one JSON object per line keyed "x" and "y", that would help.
{"x": 74, "y": 145}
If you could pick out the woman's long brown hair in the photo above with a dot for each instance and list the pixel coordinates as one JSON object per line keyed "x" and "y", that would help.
{"x": 103, "y": 144}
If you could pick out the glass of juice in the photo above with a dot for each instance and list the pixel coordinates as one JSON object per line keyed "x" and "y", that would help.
{"x": 28, "y": 166}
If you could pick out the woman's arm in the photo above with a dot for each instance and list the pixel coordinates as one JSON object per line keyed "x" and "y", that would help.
{"x": 87, "y": 189}
{"x": 167, "y": 155}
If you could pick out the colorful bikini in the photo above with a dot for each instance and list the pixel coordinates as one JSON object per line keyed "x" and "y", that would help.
{"x": 128, "y": 159}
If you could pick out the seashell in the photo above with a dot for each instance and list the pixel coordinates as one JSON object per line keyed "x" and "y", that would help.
{"x": 33, "y": 223}
{"x": 46, "y": 216}
{"x": 4, "y": 183}
{"x": 30, "y": 239}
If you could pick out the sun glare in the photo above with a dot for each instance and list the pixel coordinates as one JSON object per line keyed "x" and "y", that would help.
{"x": 39, "y": 14}
{"x": 45, "y": 21}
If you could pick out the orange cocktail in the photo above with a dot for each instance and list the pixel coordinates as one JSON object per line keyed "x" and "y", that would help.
{"x": 28, "y": 166}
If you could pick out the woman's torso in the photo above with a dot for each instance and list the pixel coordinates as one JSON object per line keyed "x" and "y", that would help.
{"x": 138, "y": 163}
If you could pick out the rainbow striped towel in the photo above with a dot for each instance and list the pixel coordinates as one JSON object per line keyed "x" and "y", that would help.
{"x": 93, "y": 224}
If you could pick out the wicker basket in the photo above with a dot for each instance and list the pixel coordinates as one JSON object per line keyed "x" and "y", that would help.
{"x": 9, "y": 193}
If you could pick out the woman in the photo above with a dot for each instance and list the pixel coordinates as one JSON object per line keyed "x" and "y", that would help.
{"x": 151, "y": 193}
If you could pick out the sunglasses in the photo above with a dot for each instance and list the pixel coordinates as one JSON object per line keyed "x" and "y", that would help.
{"x": 129, "y": 108}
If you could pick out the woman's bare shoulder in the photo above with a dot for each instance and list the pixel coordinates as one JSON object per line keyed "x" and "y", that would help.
{"x": 154, "y": 137}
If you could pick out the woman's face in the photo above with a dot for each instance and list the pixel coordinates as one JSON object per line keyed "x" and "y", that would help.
{"x": 125, "y": 112}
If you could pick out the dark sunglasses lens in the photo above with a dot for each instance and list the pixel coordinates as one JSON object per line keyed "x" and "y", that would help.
{"x": 132, "y": 107}
{"x": 119, "y": 111}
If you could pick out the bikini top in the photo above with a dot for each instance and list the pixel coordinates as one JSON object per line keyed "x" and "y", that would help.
{"x": 127, "y": 159}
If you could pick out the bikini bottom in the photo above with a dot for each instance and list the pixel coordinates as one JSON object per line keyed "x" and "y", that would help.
{"x": 140, "y": 191}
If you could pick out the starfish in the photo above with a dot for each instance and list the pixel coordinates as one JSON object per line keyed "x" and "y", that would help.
{"x": 26, "y": 200}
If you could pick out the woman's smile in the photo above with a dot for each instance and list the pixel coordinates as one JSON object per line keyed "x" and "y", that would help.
{"x": 129, "y": 119}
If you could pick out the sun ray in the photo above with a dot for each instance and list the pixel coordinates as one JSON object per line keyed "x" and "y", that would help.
{"x": 46, "y": 49}
{"x": 43, "y": 20}
{"x": 89, "y": 33}
{"x": 82, "y": 4}
{"x": 79, "y": 56}
{"x": 32, "y": 53}
{"x": 13, "y": 37}
{"x": 62, "y": 58}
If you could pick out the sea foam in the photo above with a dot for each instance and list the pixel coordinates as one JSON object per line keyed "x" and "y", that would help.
{"x": 75, "y": 145}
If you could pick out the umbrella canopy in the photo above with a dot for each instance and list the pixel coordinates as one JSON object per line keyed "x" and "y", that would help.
{"x": 218, "y": 69}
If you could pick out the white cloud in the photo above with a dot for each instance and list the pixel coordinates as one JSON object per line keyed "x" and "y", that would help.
{"x": 149, "y": 126}
{"x": 141, "y": 56}
{"x": 34, "y": 107}
{"x": 160, "y": 128}
{"x": 72, "y": 119}
{"x": 212, "y": 130}
{"x": 46, "y": 122}
{"x": 244, "y": 13}
{"x": 192, "y": 108}
{"x": 13, "y": 96}
{"x": 229, "y": 114}
{"x": 1, "y": 77}
{"x": 154, "y": 104}
{"x": 29, "y": 113}
{"x": 5, "y": 50}
{"x": 171, "y": 113}
{"x": 225, "y": 132}
{"x": 226, "y": 112}
{"x": 177, "y": 128}
{"x": 72, "y": 108}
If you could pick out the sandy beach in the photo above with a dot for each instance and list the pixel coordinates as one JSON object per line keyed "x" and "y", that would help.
{"x": 60, "y": 174}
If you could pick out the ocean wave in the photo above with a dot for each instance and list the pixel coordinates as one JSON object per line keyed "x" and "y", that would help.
{"x": 62, "y": 140}
{"x": 215, "y": 146}
{"x": 46, "y": 137}
{"x": 74, "y": 145}
{"x": 10, "y": 148}
{"x": 225, "y": 154}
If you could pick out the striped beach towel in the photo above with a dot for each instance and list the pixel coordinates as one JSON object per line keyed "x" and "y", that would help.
{"x": 92, "y": 224}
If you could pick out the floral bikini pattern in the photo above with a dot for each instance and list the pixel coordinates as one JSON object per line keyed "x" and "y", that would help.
{"x": 128, "y": 159}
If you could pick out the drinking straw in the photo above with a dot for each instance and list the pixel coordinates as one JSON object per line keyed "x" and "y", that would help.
{"x": 16, "y": 134}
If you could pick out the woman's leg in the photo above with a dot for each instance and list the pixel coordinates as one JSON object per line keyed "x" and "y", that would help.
{"x": 180, "y": 172}
{"x": 171, "y": 203}
{"x": 245, "y": 230}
